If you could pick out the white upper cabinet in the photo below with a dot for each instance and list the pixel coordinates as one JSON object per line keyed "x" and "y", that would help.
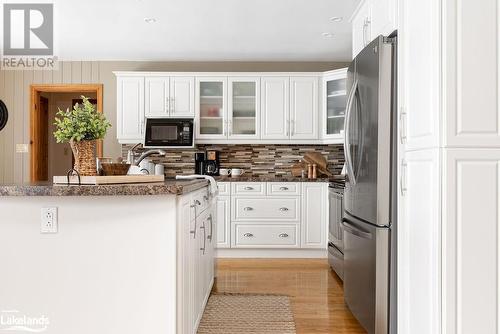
{"x": 361, "y": 27}
{"x": 244, "y": 107}
{"x": 211, "y": 97}
{"x": 371, "y": 19}
{"x": 169, "y": 96}
{"x": 304, "y": 107}
{"x": 130, "y": 107}
{"x": 275, "y": 107}
{"x": 157, "y": 96}
{"x": 251, "y": 109}
{"x": 181, "y": 97}
{"x": 383, "y": 17}
{"x": 334, "y": 104}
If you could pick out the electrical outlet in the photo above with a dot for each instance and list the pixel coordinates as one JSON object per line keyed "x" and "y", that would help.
{"x": 48, "y": 222}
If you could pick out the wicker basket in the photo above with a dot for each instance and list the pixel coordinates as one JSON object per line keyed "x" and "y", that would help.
{"x": 85, "y": 157}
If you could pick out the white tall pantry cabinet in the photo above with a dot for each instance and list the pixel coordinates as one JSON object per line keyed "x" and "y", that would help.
{"x": 450, "y": 175}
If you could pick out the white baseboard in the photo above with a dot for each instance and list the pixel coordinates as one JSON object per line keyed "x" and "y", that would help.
{"x": 271, "y": 253}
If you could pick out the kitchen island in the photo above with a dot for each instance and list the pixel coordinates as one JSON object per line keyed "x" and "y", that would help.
{"x": 123, "y": 258}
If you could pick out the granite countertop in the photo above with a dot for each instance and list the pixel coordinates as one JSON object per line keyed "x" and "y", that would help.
{"x": 169, "y": 187}
{"x": 244, "y": 178}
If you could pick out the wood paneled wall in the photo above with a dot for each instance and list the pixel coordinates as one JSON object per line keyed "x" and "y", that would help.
{"x": 14, "y": 91}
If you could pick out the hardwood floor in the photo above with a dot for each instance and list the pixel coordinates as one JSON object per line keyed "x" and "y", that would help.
{"x": 315, "y": 291}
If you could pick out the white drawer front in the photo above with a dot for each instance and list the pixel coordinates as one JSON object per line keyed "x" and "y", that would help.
{"x": 283, "y": 188}
{"x": 265, "y": 236}
{"x": 248, "y": 188}
{"x": 268, "y": 209}
{"x": 224, "y": 188}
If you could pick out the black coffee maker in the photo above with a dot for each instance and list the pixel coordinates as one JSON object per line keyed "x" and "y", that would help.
{"x": 207, "y": 163}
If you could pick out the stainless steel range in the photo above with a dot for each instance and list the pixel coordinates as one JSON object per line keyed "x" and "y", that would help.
{"x": 335, "y": 233}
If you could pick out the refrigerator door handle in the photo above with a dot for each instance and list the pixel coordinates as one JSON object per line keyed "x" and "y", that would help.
{"x": 356, "y": 231}
{"x": 361, "y": 137}
{"x": 348, "y": 158}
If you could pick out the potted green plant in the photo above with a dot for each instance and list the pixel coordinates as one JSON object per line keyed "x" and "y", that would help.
{"x": 81, "y": 127}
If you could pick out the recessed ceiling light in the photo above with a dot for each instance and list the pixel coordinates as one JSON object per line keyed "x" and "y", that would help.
{"x": 149, "y": 20}
{"x": 336, "y": 18}
{"x": 327, "y": 34}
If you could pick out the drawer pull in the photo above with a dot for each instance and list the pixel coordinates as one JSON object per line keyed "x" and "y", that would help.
{"x": 248, "y": 208}
{"x": 283, "y": 235}
{"x": 283, "y": 209}
{"x": 248, "y": 188}
{"x": 283, "y": 188}
{"x": 248, "y": 235}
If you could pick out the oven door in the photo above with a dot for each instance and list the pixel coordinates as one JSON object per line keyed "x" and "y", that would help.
{"x": 169, "y": 132}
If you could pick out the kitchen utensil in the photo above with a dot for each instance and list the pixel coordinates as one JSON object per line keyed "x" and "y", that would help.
{"x": 111, "y": 168}
{"x": 320, "y": 161}
{"x": 298, "y": 169}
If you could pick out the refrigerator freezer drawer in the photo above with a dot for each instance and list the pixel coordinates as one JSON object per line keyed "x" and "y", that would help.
{"x": 366, "y": 274}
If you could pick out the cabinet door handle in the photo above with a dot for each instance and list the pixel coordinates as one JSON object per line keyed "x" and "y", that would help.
{"x": 283, "y": 235}
{"x": 283, "y": 209}
{"x": 172, "y": 105}
{"x": 204, "y": 238}
{"x": 248, "y": 208}
{"x": 283, "y": 188}
{"x": 287, "y": 127}
{"x": 248, "y": 235}
{"x": 197, "y": 202}
{"x": 403, "y": 181}
{"x": 142, "y": 127}
{"x": 230, "y": 127}
{"x": 211, "y": 228}
{"x": 193, "y": 232}
{"x": 205, "y": 197}
{"x": 248, "y": 188}
{"x": 167, "y": 104}
{"x": 292, "y": 124}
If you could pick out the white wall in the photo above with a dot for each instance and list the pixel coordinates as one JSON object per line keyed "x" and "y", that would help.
{"x": 111, "y": 268}
{"x": 14, "y": 91}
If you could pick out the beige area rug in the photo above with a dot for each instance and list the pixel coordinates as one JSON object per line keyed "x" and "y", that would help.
{"x": 247, "y": 313}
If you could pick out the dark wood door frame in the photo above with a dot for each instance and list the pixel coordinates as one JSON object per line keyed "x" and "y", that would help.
{"x": 36, "y": 90}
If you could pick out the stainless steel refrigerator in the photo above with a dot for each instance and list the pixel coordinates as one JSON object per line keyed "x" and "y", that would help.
{"x": 369, "y": 220}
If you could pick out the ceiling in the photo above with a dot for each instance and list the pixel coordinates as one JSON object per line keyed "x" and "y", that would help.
{"x": 207, "y": 30}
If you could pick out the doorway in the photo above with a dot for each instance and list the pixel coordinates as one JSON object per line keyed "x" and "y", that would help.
{"x": 47, "y": 158}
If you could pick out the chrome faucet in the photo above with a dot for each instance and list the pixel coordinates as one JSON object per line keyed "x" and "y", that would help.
{"x": 146, "y": 154}
{"x": 131, "y": 155}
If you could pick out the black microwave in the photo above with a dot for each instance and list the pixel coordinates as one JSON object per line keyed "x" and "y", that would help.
{"x": 169, "y": 132}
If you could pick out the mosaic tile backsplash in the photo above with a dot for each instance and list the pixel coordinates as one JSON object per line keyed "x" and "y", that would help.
{"x": 256, "y": 160}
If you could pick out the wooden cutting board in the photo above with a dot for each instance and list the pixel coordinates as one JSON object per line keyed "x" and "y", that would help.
{"x": 114, "y": 179}
{"x": 320, "y": 161}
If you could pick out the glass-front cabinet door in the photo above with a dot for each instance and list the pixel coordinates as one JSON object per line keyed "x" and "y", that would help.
{"x": 335, "y": 101}
{"x": 211, "y": 108}
{"x": 244, "y": 107}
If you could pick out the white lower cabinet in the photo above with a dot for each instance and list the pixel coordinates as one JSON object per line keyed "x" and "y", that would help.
{"x": 314, "y": 215}
{"x": 195, "y": 259}
{"x": 272, "y": 215}
{"x": 223, "y": 226}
